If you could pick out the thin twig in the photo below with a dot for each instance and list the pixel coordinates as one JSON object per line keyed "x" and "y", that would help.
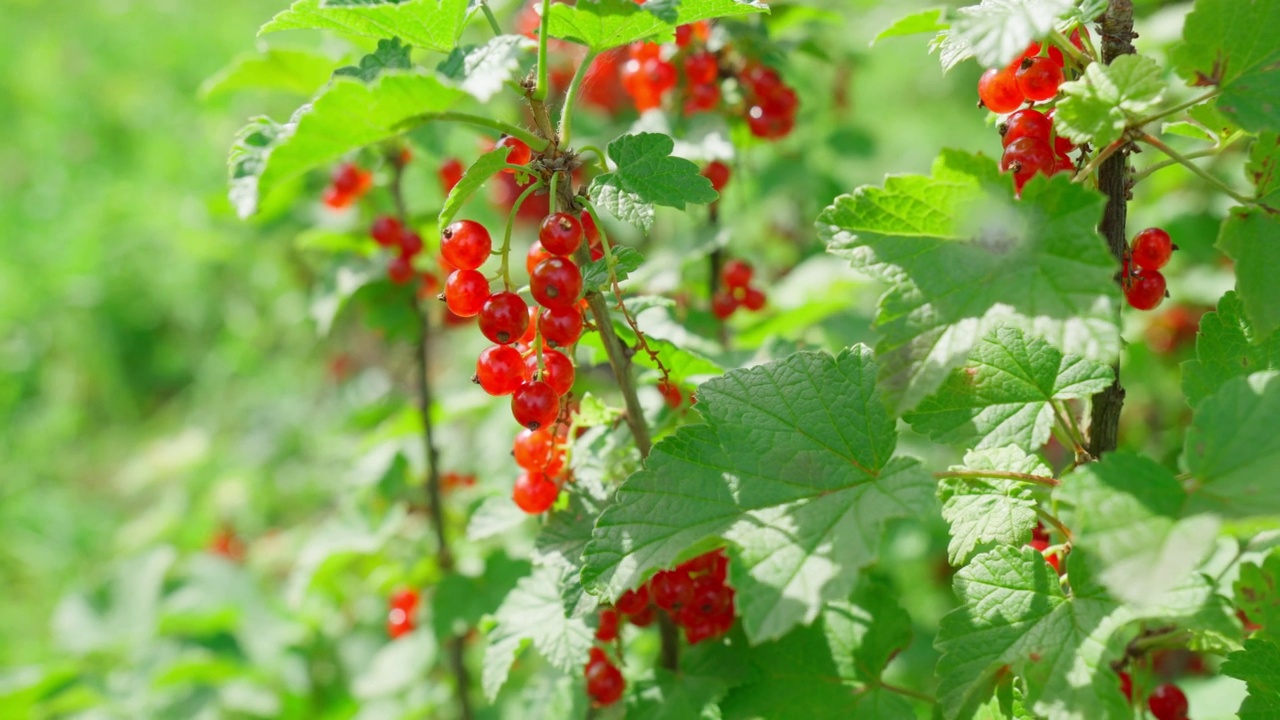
{"x": 533, "y": 140}
{"x": 571, "y": 98}
{"x": 1218, "y": 149}
{"x": 488, "y": 15}
{"x": 1186, "y": 162}
{"x": 1042, "y": 480}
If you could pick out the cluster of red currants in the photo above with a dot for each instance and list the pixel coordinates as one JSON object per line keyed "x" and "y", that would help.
{"x": 400, "y": 616}
{"x": 1166, "y": 702}
{"x": 1144, "y": 285}
{"x": 1030, "y": 145}
{"x": 405, "y": 244}
{"x": 1040, "y": 541}
{"x": 605, "y": 683}
{"x": 738, "y": 291}
{"x": 225, "y": 543}
{"x": 347, "y": 184}
{"x": 539, "y": 455}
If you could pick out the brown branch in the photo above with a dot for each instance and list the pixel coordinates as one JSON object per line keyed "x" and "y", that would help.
{"x": 1113, "y": 181}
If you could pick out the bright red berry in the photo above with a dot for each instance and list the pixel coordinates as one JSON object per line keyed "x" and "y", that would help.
{"x": 753, "y": 299}
{"x": 608, "y": 628}
{"x": 465, "y": 244}
{"x": 718, "y": 173}
{"x": 557, "y": 369}
{"x": 1038, "y": 78}
{"x": 1026, "y": 122}
{"x": 998, "y": 90}
{"x": 530, "y": 332}
{"x": 504, "y": 317}
{"x": 405, "y": 599}
{"x": 535, "y": 404}
{"x": 701, "y": 98}
{"x": 533, "y": 449}
{"x": 561, "y": 326}
{"x": 1167, "y": 702}
{"x": 769, "y": 124}
{"x": 400, "y": 269}
{"x": 633, "y": 602}
{"x": 605, "y": 683}
{"x": 737, "y": 273}
{"x": 560, "y": 234}
{"x": 410, "y": 243}
{"x": 1126, "y": 686}
{"x": 671, "y": 393}
{"x": 465, "y": 292}
{"x": 519, "y": 153}
{"x": 1145, "y": 289}
{"x": 1025, "y": 157}
{"x": 450, "y": 173}
{"x": 500, "y": 370}
{"x": 723, "y": 304}
{"x": 1152, "y": 249}
{"x": 701, "y": 68}
{"x": 337, "y": 200}
{"x": 670, "y": 589}
{"x": 350, "y": 179}
{"x": 386, "y": 230}
{"x": 534, "y": 492}
{"x": 556, "y": 283}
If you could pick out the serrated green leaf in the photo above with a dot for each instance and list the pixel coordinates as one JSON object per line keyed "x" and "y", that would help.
{"x": 1127, "y": 513}
{"x": 595, "y": 276}
{"x": 646, "y": 175}
{"x": 533, "y": 613}
{"x": 1231, "y": 44}
{"x": 290, "y": 70}
{"x": 866, "y": 632}
{"x": 922, "y": 21}
{"x": 963, "y": 257}
{"x": 997, "y": 31}
{"x": 349, "y": 114}
{"x": 1099, "y": 106}
{"x": 1249, "y": 238}
{"x": 983, "y": 511}
{"x": 1258, "y": 664}
{"x": 671, "y": 696}
{"x": 1208, "y": 115}
{"x": 1257, "y": 594}
{"x": 494, "y": 516}
{"x": 390, "y": 55}
{"x": 951, "y": 50}
{"x": 429, "y": 24}
{"x": 485, "y": 167}
{"x": 605, "y": 24}
{"x": 1004, "y": 395}
{"x": 1014, "y": 615}
{"x": 483, "y": 70}
{"x": 460, "y": 601}
{"x": 795, "y": 465}
{"x": 560, "y": 545}
{"x": 1232, "y": 449}
{"x": 1188, "y": 129}
{"x": 1263, "y": 169}
{"x": 1227, "y": 347}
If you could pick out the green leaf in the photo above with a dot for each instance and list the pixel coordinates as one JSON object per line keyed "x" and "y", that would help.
{"x": 866, "y": 632}
{"x": 1249, "y": 238}
{"x": 1227, "y": 347}
{"x": 482, "y": 71}
{"x": 1258, "y": 664}
{"x": 429, "y": 24}
{"x": 997, "y": 31}
{"x": 460, "y": 601}
{"x": 397, "y": 666}
{"x": 963, "y": 257}
{"x": 1014, "y": 616}
{"x": 1232, "y": 449}
{"x": 290, "y": 70}
{"x": 1099, "y": 106}
{"x": 647, "y": 175}
{"x": 984, "y": 511}
{"x": 1127, "y": 513}
{"x": 795, "y": 465}
{"x": 485, "y": 167}
{"x": 1004, "y": 395}
{"x": 595, "y": 276}
{"x": 1257, "y": 594}
{"x": 1231, "y": 44}
{"x": 390, "y": 55}
{"x": 534, "y": 613}
{"x": 671, "y": 696}
{"x": 921, "y": 21}
{"x": 560, "y": 545}
{"x": 604, "y": 24}
{"x": 1263, "y": 168}
{"x": 348, "y": 115}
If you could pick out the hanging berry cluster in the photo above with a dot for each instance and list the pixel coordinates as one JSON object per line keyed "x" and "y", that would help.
{"x": 1143, "y": 283}
{"x": 1166, "y": 701}
{"x": 348, "y": 184}
{"x": 1030, "y": 145}
{"x": 737, "y": 290}
{"x": 404, "y": 244}
{"x": 400, "y": 616}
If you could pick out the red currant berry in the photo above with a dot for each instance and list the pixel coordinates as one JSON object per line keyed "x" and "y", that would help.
{"x": 701, "y": 68}
{"x": 397, "y": 625}
{"x": 1146, "y": 289}
{"x": 670, "y": 589}
{"x": 764, "y": 123}
{"x": 1025, "y": 123}
{"x": 595, "y": 656}
{"x": 1152, "y": 249}
{"x": 684, "y": 34}
{"x": 1126, "y": 686}
{"x": 1054, "y": 53}
{"x": 561, "y": 326}
{"x": 1024, "y": 158}
{"x": 761, "y": 80}
{"x": 337, "y": 200}
{"x": 400, "y": 269}
{"x": 671, "y": 393}
{"x": 535, "y": 404}
{"x": 590, "y": 230}
{"x": 500, "y": 370}
{"x": 1167, "y": 702}
{"x": 633, "y": 602}
{"x": 998, "y": 90}
{"x": 536, "y": 255}
{"x": 1039, "y": 78}
{"x": 557, "y": 369}
{"x": 556, "y": 283}
{"x": 753, "y": 299}
{"x": 386, "y": 231}
{"x": 519, "y": 153}
{"x": 723, "y": 304}
{"x": 450, "y": 173}
{"x": 605, "y": 683}
{"x": 350, "y": 179}
{"x": 410, "y": 243}
{"x": 504, "y": 317}
{"x": 718, "y": 173}
{"x": 737, "y": 273}
{"x": 608, "y": 630}
{"x": 531, "y": 332}
{"x": 405, "y": 599}
{"x": 534, "y": 492}
{"x": 560, "y": 234}
{"x": 465, "y": 244}
{"x": 534, "y": 449}
{"x": 644, "y": 51}
{"x": 465, "y": 292}
{"x": 701, "y": 98}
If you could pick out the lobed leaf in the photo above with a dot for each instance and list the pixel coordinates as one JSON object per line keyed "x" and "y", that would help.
{"x": 647, "y": 175}
{"x": 390, "y": 55}
{"x": 605, "y": 24}
{"x": 1232, "y": 449}
{"x": 1227, "y": 347}
{"x": 1099, "y": 106}
{"x": 1258, "y": 664}
{"x": 1231, "y": 44}
{"x": 483, "y": 70}
{"x": 1248, "y": 237}
{"x": 998, "y": 31}
{"x": 289, "y": 70}
{"x": 429, "y": 24}
{"x": 986, "y": 511}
